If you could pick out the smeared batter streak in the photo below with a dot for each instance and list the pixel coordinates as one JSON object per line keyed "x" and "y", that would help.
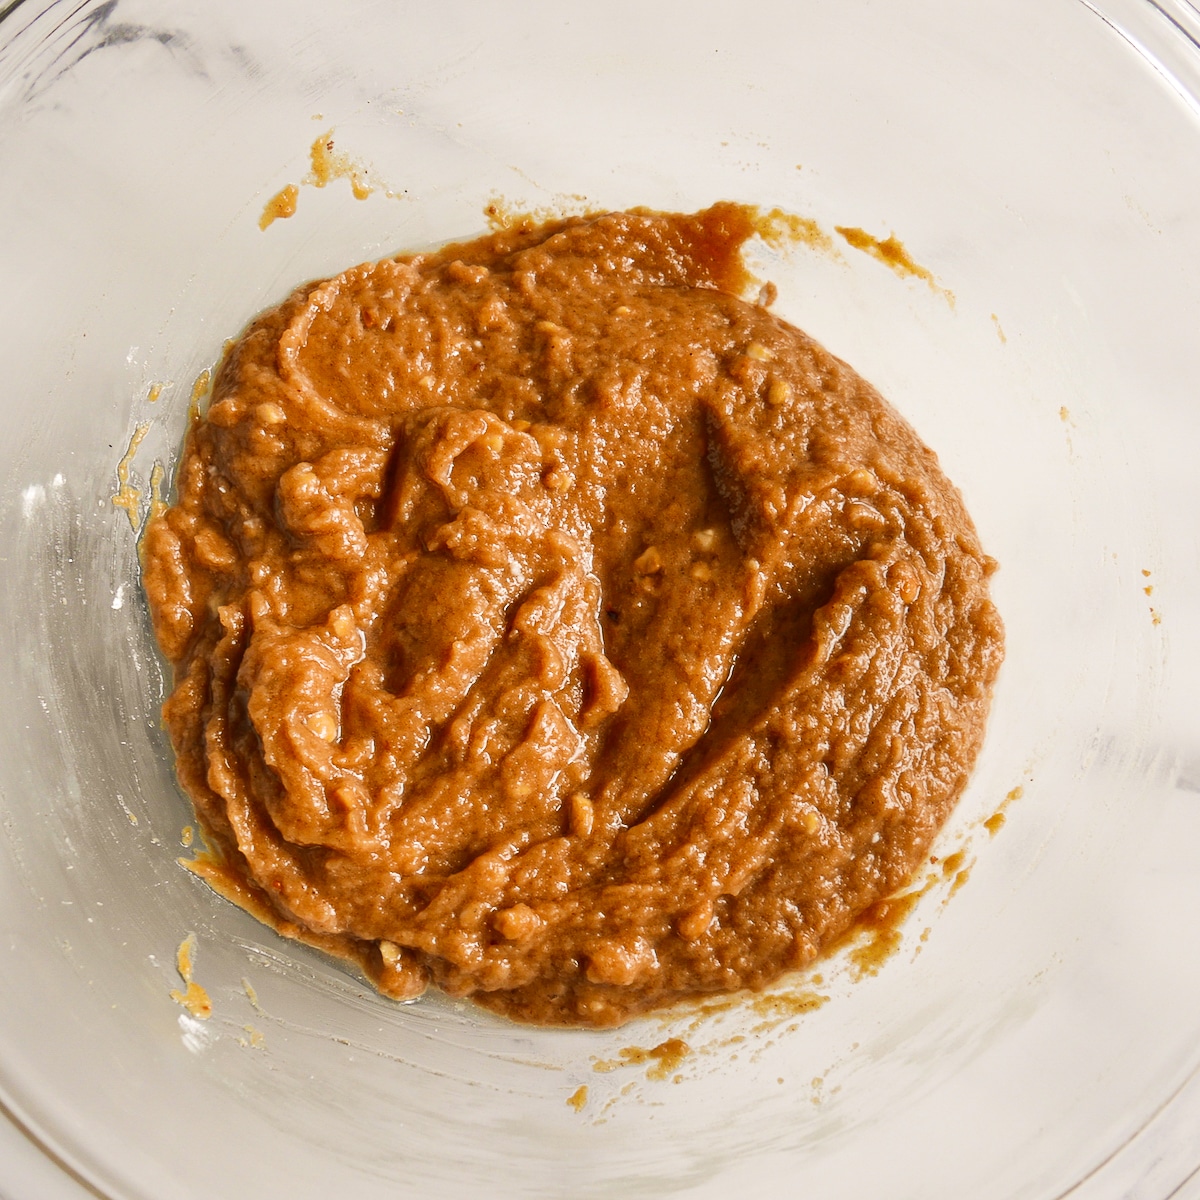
{"x": 195, "y": 999}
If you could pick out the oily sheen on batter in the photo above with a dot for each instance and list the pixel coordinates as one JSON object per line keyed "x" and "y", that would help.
{"x": 554, "y": 625}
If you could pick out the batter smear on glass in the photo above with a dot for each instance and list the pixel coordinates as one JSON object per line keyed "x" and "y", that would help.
{"x": 554, "y": 625}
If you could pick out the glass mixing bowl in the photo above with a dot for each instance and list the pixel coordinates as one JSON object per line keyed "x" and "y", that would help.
{"x": 1037, "y": 1032}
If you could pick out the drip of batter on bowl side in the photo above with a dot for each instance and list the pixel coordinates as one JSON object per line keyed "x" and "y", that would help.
{"x": 553, "y": 625}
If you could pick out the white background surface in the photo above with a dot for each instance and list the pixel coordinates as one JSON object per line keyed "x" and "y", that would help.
{"x": 28, "y": 1174}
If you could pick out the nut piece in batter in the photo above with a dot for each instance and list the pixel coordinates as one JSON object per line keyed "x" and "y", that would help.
{"x": 551, "y": 624}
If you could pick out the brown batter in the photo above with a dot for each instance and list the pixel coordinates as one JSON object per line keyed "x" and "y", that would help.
{"x": 554, "y": 625}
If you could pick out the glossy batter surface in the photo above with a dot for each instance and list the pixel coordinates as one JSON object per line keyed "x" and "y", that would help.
{"x": 554, "y": 625}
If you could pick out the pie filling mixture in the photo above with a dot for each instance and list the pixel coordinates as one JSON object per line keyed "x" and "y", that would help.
{"x": 551, "y": 624}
